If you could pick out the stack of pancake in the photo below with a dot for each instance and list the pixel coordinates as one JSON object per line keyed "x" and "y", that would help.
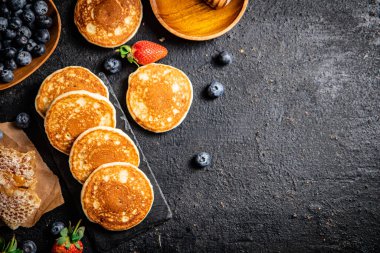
{"x": 80, "y": 122}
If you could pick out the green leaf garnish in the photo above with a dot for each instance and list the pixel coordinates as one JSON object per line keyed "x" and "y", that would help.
{"x": 64, "y": 232}
{"x": 77, "y": 245}
{"x": 62, "y": 240}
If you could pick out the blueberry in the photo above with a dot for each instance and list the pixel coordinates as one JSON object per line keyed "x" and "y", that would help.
{"x": 56, "y": 227}
{"x": 21, "y": 41}
{"x": 6, "y": 76}
{"x": 3, "y": 24}
{"x": 16, "y": 5}
{"x": 31, "y": 45}
{"x": 7, "y": 43}
{"x": 18, "y": 13}
{"x": 215, "y": 89}
{"x": 23, "y": 58}
{"x": 44, "y": 21}
{"x": 28, "y": 16}
{"x": 42, "y": 35}
{"x": 28, "y": 6}
{"x": 22, "y": 120}
{"x": 1, "y": 66}
{"x": 40, "y": 7}
{"x": 9, "y": 34}
{"x": 4, "y": 11}
{"x": 24, "y": 31}
{"x": 224, "y": 58}
{"x": 112, "y": 65}
{"x": 39, "y": 50}
{"x": 10, "y": 64}
{"x": 15, "y": 23}
{"x": 202, "y": 159}
{"x": 29, "y": 247}
{"x": 10, "y": 53}
{"x": 1, "y": 135}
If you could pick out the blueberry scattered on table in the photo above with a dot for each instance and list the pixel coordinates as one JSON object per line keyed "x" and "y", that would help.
{"x": 215, "y": 89}
{"x": 223, "y": 58}
{"x": 202, "y": 159}
{"x": 56, "y": 227}
{"x": 112, "y": 65}
{"x": 29, "y": 247}
{"x": 23, "y": 34}
{"x": 23, "y": 120}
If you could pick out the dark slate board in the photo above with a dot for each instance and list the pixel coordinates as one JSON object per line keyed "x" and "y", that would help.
{"x": 102, "y": 240}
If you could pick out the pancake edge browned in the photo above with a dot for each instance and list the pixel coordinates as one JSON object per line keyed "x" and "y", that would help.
{"x": 184, "y": 116}
{"x": 115, "y": 130}
{"x": 83, "y": 92}
{"x": 58, "y": 71}
{"x": 109, "y": 165}
{"x": 103, "y": 45}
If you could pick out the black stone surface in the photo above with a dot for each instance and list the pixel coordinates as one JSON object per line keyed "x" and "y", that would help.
{"x": 295, "y": 139}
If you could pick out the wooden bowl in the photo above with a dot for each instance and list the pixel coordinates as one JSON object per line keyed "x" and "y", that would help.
{"x": 55, "y": 31}
{"x": 195, "y": 20}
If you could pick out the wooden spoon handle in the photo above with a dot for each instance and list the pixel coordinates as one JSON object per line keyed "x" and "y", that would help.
{"x": 217, "y": 4}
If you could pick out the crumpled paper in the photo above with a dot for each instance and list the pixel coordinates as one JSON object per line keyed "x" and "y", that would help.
{"x": 47, "y": 188}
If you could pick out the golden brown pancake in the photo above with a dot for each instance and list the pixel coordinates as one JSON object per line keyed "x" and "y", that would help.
{"x": 74, "y": 112}
{"x": 65, "y": 80}
{"x": 118, "y": 196}
{"x": 100, "y": 145}
{"x": 108, "y": 23}
{"x": 159, "y": 97}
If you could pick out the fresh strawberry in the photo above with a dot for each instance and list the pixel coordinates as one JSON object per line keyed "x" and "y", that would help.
{"x": 10, "y": 247}
{"x": 143, "y": 52}
{"x": 70, "y": 240}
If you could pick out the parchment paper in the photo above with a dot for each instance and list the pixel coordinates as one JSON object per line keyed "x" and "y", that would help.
{"x": 47, "y": 187}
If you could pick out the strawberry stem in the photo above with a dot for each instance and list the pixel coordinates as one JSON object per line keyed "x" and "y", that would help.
{"x": 126, "y": 52}
{"x": 77, "y": 226}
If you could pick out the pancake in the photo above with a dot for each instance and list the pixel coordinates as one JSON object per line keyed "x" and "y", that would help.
{"x": 108, "y": 23}
{"x": 65, "y": 80}
{"x": 159, "y": 97}
{"x": 74, "y": 112}
{"x": 130, "y": 202}
{"x": 100, "y": 145}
